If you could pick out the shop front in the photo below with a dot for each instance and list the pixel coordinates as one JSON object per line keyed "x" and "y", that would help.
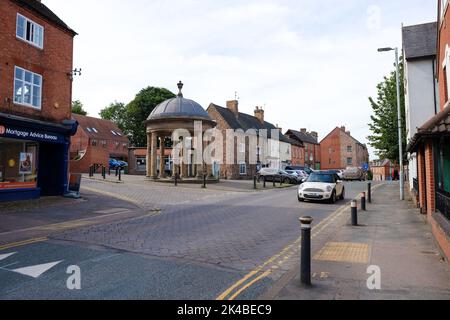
{"x": 34, "y": 158}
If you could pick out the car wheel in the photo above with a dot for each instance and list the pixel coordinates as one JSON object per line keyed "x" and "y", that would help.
{"x": 300, "y": 199}
{"x": 333, "y": 198}
{"x": 343, "y": 194}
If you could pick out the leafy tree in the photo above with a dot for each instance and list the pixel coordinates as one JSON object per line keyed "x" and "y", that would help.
{"x": 130, "y": 118}
{"x": 78, "y": 108}
{"x": 384, "y": 124}
{"x": 116, "y": 113}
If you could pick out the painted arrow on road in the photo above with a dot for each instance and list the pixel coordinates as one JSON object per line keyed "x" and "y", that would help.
{"x": 36, "y": 271}
{"x": 4, "y": 256}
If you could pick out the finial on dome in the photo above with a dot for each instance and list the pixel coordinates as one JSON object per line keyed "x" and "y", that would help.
{"x": 180, "y": 87}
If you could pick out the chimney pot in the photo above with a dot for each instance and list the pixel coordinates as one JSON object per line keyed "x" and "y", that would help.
{"x": 303, "y": 130}
{"x": 259, "y": 114}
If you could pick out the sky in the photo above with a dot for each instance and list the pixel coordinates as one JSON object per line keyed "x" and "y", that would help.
{"x": 310, "y": 64}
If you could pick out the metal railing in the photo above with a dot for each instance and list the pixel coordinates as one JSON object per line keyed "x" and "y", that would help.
{"x": 416, "y": 185}
{"x": 443, "y": 203}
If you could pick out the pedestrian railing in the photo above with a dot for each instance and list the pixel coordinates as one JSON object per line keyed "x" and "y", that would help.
{"x": 443, "y": 203}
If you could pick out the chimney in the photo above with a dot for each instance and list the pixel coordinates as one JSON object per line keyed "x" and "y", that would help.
{"x": 343, "y": 129}
{"x": 281, "y": 129}
{"x": 315, "y": 134}
{"x": 303, "y": 130}
{"x": 348, "y": 133}
{"x": 259, "y": 114}
{"x": 233, "y": 105}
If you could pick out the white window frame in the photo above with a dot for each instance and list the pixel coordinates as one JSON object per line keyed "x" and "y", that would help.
{"x": 35, "y": 26}
{"x": 31, "y": 84}
{"x": 242, "y": 165}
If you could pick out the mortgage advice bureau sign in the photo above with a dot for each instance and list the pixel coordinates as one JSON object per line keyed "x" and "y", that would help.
{"x": 7, "y": 131}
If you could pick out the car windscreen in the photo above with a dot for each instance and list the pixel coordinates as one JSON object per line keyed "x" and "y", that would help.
{"x": 325, "y": 178}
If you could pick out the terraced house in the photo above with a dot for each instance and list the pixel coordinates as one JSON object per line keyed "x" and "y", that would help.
{"x": 432, "y": 142}
{"x": 35, "y": 100}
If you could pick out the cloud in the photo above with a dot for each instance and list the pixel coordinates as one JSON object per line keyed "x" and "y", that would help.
{"x": 311, "y": 63}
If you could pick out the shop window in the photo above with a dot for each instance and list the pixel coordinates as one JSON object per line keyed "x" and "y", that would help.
{"x": 30, "y": 31}
{"x": 18, "y": 164}
{"x": 27, "y": 88}
{"x": 141, "y": 164}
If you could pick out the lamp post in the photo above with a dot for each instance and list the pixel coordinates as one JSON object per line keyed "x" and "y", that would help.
{"x": 400, "y": 138}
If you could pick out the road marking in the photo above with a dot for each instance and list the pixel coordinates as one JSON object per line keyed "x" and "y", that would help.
{"x": 247, "y": 281}
{"x": 22, "y": 243}
{"x": 4, "y": 256}
{"x": 36, "y": 271}
{"x": 344, "y": 252}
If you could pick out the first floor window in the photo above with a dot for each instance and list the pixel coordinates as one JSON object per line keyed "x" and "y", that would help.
{"x": 349, "y": 161}
{"x": 27, "y": 88}
{"x": 243, "y": 168}
{"x": 30, "y": 31}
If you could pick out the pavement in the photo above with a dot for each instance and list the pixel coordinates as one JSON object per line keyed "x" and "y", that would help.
{"x": 392, "y": 238}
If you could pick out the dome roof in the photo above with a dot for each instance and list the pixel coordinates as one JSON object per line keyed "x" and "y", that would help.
{"x": 179, "y": 108}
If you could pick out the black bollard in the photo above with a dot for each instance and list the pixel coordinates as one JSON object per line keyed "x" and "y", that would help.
{"x": 363, "y": 201}
{"x": 120, "y": 174}
{"x": 104, "y": 173}
{"x": 305, "y": 263}
{"x": 281, "y": 181}
{"x": 354, "y": 213}
{"x": 176, "y": 179}
{"x": 117, "y": 172}
{"x": 204, "y": 181}
{"x": 264, "y": 182}
{"x": 273, "y": 181}
{"x": 369, "y": 192}
{"x": 254, "y": 183}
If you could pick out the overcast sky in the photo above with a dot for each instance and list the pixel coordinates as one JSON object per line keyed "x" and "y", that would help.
{"x": 311, "y": 64}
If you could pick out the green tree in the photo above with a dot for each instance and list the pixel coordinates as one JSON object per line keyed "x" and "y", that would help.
{"x": 78, "y": 108}
{"x": 130, "y": 118}
{"x": 384, "y": 124}
{"x": 116, "y": 113}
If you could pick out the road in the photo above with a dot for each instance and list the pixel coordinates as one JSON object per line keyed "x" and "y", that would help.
{"x": 183, "y": 244}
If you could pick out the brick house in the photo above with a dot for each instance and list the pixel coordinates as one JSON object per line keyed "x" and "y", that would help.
{"x": 383, "y": 170}
{"x": 432, "y": 143}
{"x": 340, "y": 150}
{"x": 277, "y": 151}
{"x": 137, "y": 160}
{"x": 35, "y": 100}
{"x": 310, "y": 155}
{"x": 95, "y": 142}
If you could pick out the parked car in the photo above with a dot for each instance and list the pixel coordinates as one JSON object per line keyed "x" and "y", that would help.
{"x": 302, "y": 175}
{"x": 322, "y": 186}
{"x": 354, "y": 173}
{"x": 340, "y": 173}
{"x": 113, "y": 163}
{"x": 296, "y": 168}
{"x": 270, "y": 174}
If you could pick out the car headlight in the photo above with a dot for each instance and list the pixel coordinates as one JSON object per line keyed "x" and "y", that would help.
{"x": 329, "y": 189}
{"x": 301, "y": 187}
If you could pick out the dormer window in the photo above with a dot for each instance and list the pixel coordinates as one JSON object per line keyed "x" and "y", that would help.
{"x": 89, "y": 129}
{"x": 95, "y": 130}
{"x": 30, "y": 31}
{"x": 113, "y": 132}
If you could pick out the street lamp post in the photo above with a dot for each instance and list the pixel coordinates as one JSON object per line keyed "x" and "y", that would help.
{"x": 400, "y": 138}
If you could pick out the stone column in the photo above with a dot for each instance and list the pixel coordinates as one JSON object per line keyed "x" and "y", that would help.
{"x": 149, "y": 155}
{"x": 162, "y": 162}
{"x": 154, "y": 155}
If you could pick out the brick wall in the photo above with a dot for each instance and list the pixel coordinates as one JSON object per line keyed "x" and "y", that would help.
{"x": 422, "y": 180}
{"x": 53, "y": 63}
{"x": 444, "y": 40}
{"x": 331, "y": 151}
{"x": 430, "y": 180}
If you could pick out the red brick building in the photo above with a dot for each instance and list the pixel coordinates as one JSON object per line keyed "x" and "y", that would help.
{"x": 432, "y": 144}
{"x": 340, "y": 150}
{"x": 95, "y": 142}
{"x": 310, "y": 155}
{"x": 35, "y": 100}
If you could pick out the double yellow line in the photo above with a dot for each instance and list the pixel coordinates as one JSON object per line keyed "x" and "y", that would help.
{"x": 270, "y": 265}
{"x": 22, "y": 243}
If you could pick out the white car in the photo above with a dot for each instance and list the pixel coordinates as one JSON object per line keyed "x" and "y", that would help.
{"x": 322, "y": 186}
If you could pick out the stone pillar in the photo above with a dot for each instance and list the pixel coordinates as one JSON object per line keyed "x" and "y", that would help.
{"x": 154, "y": 155}
{"x": 149, "y": 155}
{"x": 162, "y": 162}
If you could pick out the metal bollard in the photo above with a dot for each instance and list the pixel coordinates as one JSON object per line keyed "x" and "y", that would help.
{"x": 264, "y": 182}
{"x": 254, "y": 183}
{"x": 204, "y": 181}
{"x": 104, "y": 173}
{"x": 117, "y": 172}
{"x": 120, "y": 174}
{"x": 273, "y": 181}
{"x": 281, "y": 182}
{"x": 305, "y": 263}
{"x": 363, "y": 201}
{"x": 369, "y": 192}
{"x": 354, "y": 213}
{"x": 176, "y": 179}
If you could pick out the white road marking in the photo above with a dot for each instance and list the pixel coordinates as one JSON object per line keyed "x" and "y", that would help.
{"x": 4, "y": 256}
{"x": 36, "y": 271}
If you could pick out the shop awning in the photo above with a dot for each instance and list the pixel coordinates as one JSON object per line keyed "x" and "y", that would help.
{"x": 436, "y": 127}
